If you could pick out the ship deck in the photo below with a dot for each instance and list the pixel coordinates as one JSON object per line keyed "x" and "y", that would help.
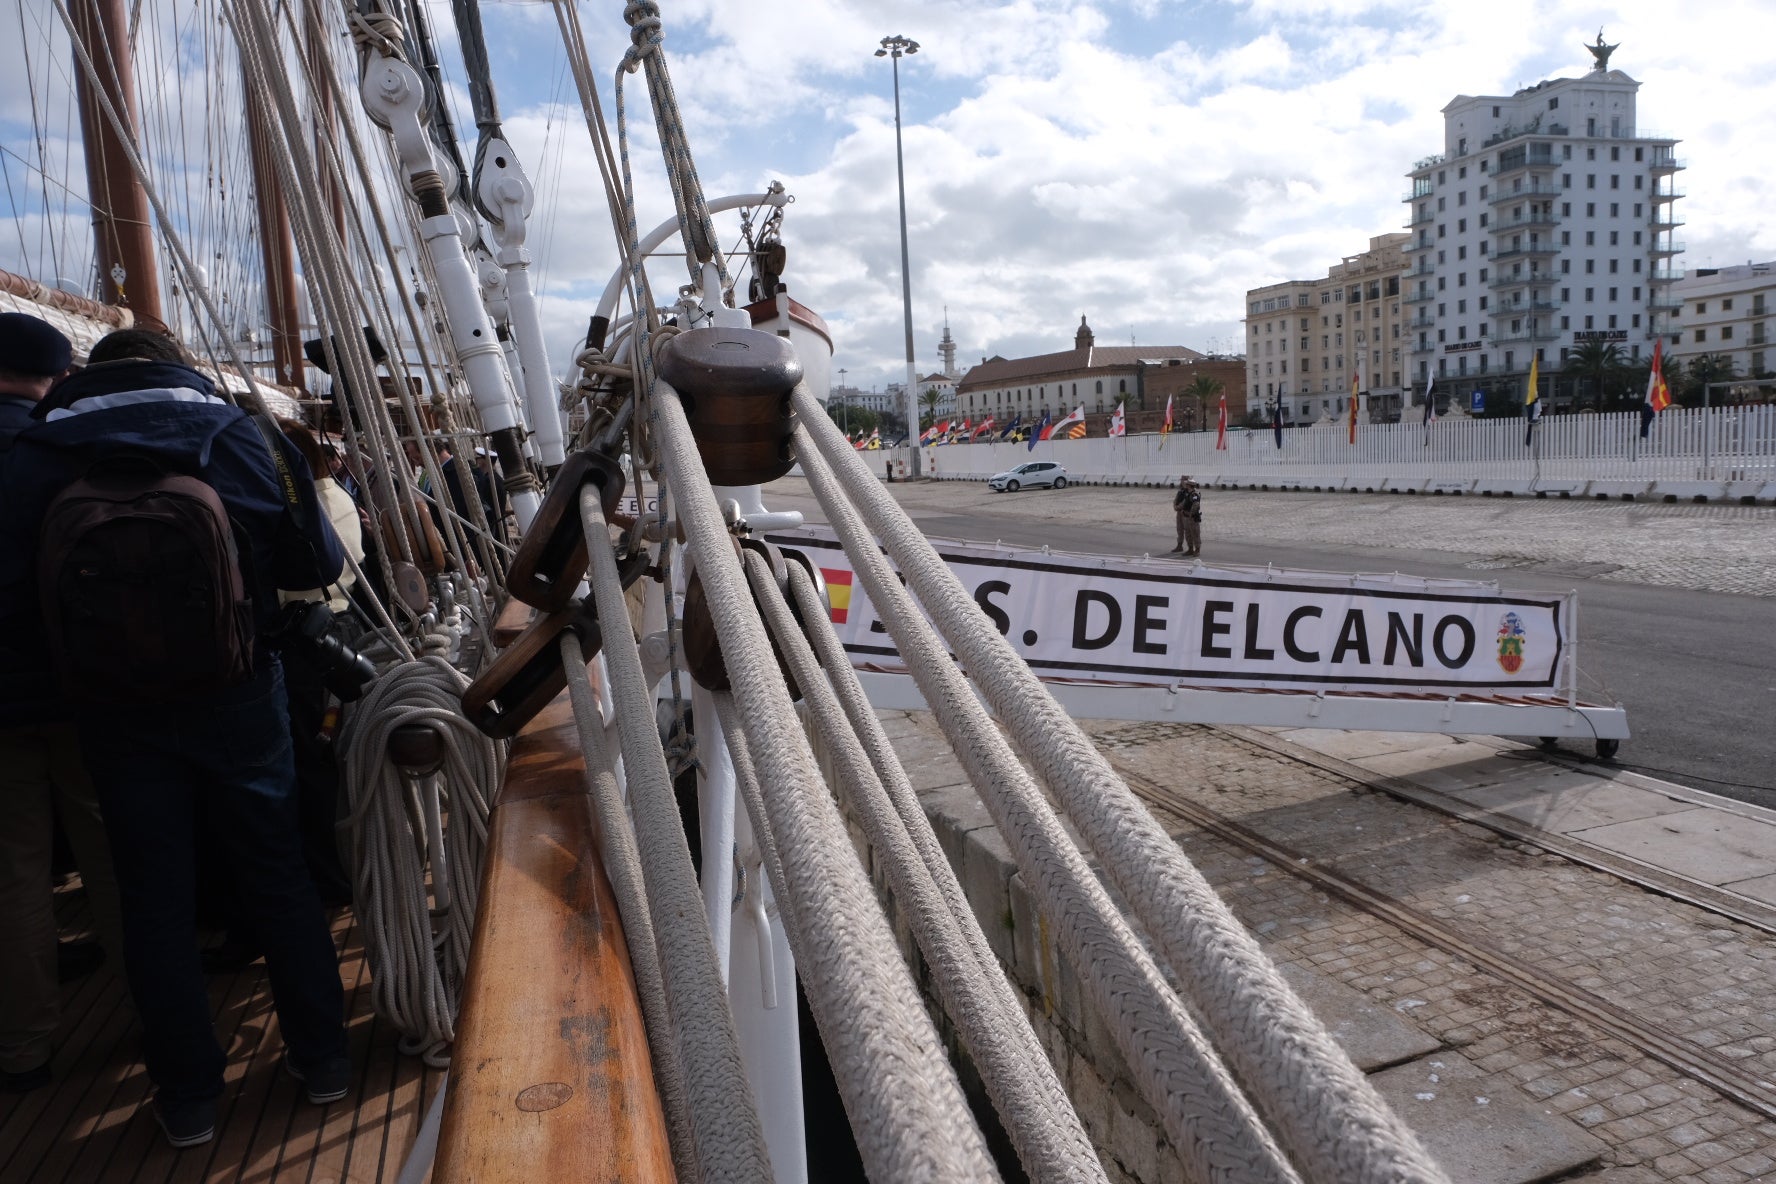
{"x": 92, "y": 1124}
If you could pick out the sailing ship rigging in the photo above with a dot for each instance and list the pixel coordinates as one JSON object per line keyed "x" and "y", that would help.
{"x": 324, "y": 207}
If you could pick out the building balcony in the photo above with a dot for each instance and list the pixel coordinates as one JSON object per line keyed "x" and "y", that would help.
{"x": 1418, "y": 297}
{"x": 1665, "y": 303}
{"x": 1526, "y": 308}
{"x": 1666, "y": 220}
{"x": 1421, "y": 269}
{"x": 1672, "y": 194}
{"x": 1427, "y": 348}
{"x": 1420, "y": 190}
{"x": 1532, "y": 165}
{"x": 1526, "y": 280}
{"x": 1537, "y": 333}
{"x": 1527, "y": 222}
{"x": 1535, "y": 189}
{"x": 1422, "y": 321}
{"x": 1665, "y": 275}
{"x": 1424, "y": 219}
{"x": 1527, "y": 250}
{"x": 1663, "y": 163}
{"x": 1668, "y": 247}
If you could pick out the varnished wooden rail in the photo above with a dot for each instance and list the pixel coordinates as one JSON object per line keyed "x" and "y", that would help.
{"x": 550, "y": 1077}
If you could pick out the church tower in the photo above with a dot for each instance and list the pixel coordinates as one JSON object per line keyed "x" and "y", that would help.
{"x": 1084, "y": 338}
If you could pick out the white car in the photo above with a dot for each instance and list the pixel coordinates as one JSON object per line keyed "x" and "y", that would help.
{"x": 1033, "y": 475}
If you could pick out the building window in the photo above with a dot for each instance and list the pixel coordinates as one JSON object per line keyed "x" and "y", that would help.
{"x": 1612, "y": 295}
{"x": 1615, "y": 180}
{"x": 1566, "y": 180}
{"x": 1612, "y": 320}
{"x": 1590, "y": 266}
{"x": 1727, "y": 304}
{"x": 1615, "y": 265}
{"x": 1634, "y": 322}
{"x": 1637, "y": 181}
{"x": 1100, "y": 386}
{"x": 1615, "y": 209}
{"x": 1566, "y": 152}
{"x": 1590, "y": 180}
{"x": 1483, "y": 188}
{"x": 1726, "y": 332}
{"x": 1566, "y": 266}
{"x": 1701, "y": 335}
{"x": 1566, "y": 209}
{"x": 1566, "y": 322}
{"x": 1590, "y": 209}
{"x": 1590, "y": 154}
{"x": 1590, "y": 238}
{"x": 1637, "y": 238}
{"x": 1566, "y": 238}
{"x": 1482, "y": 221}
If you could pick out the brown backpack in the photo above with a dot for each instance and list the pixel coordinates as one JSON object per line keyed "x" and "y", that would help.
{"x": 140, "y": 583}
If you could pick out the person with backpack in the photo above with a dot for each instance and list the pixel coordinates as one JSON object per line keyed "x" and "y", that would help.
{"x": 148, "y": 527}
{"x": 1187, "y": 508}
{"x": 42, "y": 782}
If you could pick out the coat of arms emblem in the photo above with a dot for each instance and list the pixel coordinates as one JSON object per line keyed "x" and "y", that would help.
{"x": 1510, "y": 641}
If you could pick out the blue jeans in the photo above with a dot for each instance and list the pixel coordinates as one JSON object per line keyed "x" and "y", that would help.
{"x": 151, "y": 769}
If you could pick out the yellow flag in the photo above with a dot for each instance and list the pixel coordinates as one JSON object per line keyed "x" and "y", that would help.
{"x": 1534, "y": 368}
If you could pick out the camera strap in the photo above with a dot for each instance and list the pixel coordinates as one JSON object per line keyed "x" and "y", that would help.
{"x": 286, "y": 479}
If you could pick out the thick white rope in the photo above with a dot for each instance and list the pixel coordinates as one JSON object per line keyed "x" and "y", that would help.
{"x": 906, "y": 1107}
{"x": 417, "y": 961}
{"x": 622, "y": 866}
{"x": 1051, "y": 1143}
{"x": 1335, "y": 1125}
{"x": 729, "y": 1139}
{"x": 1217, "y": 1133}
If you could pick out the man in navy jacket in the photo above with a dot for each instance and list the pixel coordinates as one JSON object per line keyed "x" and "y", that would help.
{"x": 227, "y": 753}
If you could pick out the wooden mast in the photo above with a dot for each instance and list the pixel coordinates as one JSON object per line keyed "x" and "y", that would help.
{"x": 123, "y": 233}
{"x": 278, "y": 249}
{"x": 326, "y": 121}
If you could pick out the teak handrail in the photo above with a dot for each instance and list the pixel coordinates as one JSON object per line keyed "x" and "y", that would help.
{"x": 550, "y": 1077}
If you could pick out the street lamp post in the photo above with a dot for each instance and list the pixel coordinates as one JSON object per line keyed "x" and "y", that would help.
{"x": 844, "y": 403}
{"x": 892, "y": 48}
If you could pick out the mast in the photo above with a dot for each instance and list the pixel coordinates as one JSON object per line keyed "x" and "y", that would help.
{"x": 278, "y": 249}
{"x": 326, "y": 121}
{"x": 123, "y": 234}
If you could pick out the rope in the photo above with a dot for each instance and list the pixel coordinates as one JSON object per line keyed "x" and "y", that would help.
{"x": 1174, "y": 1067}
{"x": 418, "y": 953}
{"x": 906, "y": 1108}
{"x": 1334, "y": 1123}
{"x": 622, "y": 865}
{"x": 1050, "y": 1141}
{"x": 729, "y": 1139}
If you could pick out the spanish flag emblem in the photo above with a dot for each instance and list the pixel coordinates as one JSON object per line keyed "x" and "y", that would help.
{"x": 838, "y": 592}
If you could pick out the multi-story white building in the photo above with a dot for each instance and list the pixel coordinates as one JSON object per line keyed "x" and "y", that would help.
{"x": 1306, "y": 340}
{"x": 1545, "y": 223}
{"x": 1728, "y": 312}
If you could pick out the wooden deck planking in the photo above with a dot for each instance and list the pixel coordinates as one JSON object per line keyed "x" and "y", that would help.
{"x": 92, "y": 1124}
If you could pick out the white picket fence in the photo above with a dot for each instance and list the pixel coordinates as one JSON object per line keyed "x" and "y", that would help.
{"x": 1721, "y": 453}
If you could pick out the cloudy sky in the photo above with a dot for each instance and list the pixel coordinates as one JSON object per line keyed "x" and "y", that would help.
{"x": 1140, "y": 162}
{"x": 1144, "y": 162}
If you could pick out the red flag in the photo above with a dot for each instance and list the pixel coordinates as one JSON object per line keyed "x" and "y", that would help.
{"x": 1658, "y": 393}
{"x": 1353, "y": 408}
{"x": 1221, "y": 427}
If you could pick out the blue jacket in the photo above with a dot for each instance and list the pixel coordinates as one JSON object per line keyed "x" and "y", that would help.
{"x": 15, "y": 416}
{"x": 171, "y": 413}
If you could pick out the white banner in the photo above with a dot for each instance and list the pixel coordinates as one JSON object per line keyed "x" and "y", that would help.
{"x": 1145, "y": 621}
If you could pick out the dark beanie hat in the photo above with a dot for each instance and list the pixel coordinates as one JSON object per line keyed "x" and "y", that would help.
{"x": 32, "y": 346}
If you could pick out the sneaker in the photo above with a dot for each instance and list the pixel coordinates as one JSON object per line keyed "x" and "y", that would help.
{"x": 186, "y": 1124}
{"x": 326, "y": 1082}
{"x": 24, "y": 1080}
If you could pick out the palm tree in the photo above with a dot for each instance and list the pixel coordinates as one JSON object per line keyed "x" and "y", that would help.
{"x": 929, "y": 398}
{"x": 1204, "y": 389}
{"x": 1598, "y": 362}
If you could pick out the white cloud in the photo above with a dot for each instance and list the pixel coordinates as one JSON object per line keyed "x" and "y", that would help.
{"x": 1143, "y": 162}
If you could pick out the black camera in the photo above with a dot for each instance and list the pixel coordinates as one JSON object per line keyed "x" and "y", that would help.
{"x": 307, "y": 625}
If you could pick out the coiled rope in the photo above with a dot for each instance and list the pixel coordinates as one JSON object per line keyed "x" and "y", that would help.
{"x": 418, "y": 947}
